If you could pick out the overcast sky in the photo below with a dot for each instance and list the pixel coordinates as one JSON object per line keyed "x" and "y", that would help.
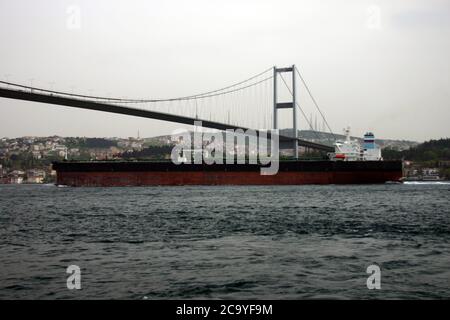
{"x": 380, "y": 65}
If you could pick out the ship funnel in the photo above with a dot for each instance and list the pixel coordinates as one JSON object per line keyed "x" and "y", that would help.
{"x": 369, "y": 141}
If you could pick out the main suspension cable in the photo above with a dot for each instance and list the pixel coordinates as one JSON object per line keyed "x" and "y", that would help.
{"x": 315, "y": 102}
{"x": 297, "y": 104}
{"x": 108, "y": 99}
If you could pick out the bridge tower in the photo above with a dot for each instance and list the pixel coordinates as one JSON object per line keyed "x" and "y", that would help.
{"x": 286, "y": 105}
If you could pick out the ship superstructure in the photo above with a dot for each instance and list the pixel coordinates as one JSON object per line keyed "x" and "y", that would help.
{"x": 352, "y": 150}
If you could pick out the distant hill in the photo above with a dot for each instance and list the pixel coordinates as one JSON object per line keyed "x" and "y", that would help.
{"x": 328, "y": 138}
{"x": 158, "y": 143}
{"x": 88, "y": 143}
{"x": 153, "y": 152}
{"x": 433, "y": 150}
{"x": 315, "y": 136}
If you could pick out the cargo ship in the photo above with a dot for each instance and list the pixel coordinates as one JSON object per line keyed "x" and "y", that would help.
{"x": 351, "y": 163}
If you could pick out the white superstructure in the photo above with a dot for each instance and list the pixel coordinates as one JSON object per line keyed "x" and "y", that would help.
{"x": 372, "y": 151}
{"x": 351, "y": 150}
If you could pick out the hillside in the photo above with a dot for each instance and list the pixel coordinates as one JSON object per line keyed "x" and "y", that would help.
{"x": 327, "y": 138}
{"x": 433, "y": 150}
{"x": 315, "y": 136}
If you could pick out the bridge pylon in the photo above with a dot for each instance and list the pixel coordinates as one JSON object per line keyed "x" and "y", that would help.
{"x": 286, "y": 105}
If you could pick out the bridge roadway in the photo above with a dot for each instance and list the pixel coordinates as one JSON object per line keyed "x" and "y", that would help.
{"x": 285, "y": 141}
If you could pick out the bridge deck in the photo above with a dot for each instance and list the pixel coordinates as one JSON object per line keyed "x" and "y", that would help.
{"x": 105, "y": 107}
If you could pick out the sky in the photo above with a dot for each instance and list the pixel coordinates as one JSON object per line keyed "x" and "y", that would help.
{"x": 379, "y": 65}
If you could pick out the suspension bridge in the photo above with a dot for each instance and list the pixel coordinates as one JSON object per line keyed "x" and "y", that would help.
{"x": 253, "y": 103}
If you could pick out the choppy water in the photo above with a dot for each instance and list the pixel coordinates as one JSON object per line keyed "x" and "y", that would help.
{"x": 289, "y": 242}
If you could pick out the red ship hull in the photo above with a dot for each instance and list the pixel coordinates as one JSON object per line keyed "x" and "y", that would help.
{"x": 108, "y": 174}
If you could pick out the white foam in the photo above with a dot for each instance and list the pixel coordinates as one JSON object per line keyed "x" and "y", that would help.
{"x": 427, "y": 182}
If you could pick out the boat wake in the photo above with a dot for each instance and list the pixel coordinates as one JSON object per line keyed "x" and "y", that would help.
{"x": 427, "y": 182}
